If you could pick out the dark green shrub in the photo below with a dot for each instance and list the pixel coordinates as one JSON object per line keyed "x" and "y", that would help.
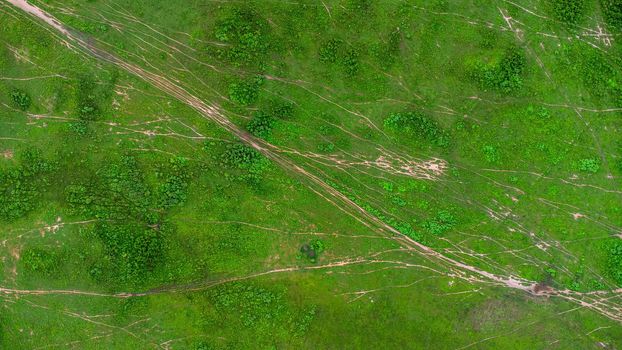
{"x": 441, "y": 223}
{"x": 261, "y": 125}
{"x": 614, "y": 261}
{"x": 173, "y": 191}
{"x": 253, "y": 306}
{"x": 569, "y": 11}
{"x": 312, "y": 250}
{"x": 131, "y": 252}
{"x": 505, "y": 74}
{"x": 20, "y": 99}
{"x": 20, "y": 187}
{"x": 335, "y": 51}
{"x": 40, "y": 261}
{"x": 248, "y": 37}
{"x": 417, "y": 124}
{"x": 117, "y": 192}
{"x": 330, "y": 51}
{"x": 245, "y": 92}
{"x": 612, "y": 11}
{"x": 589, "y": 165}
{"x": 87, "y": 108}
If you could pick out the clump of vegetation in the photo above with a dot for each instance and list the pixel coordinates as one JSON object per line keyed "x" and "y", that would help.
{"x": 175, "y": 177}
{"x": 261, "y": 125}
{"x": 594, "y": 69}
{"x": 312, "y": 250}
{"x": 251, "y": 163}
{"x": 20, "y": 99}
{"x": 20, "y": 187}
{"x": 612, "y": 10}
{"x": 614, "y": 261}
{"x": 254, "y": 306}
{"x": 589, "y": 165}
{"x": 88, "y": 110}
{"x": 569, "y": 11}
{"x": 335, "y": 51}
{"x": 387, "y": 53}
{"x": 131, "y": 252}
{"x": 491, "y": 154}
{"x": 248, "y": 37}
{"x": 419, "y": 125}
{"x": 504, "y": 74}
{"x": 117, "y": 192}
{"x": 245, "y": 92}
{"x": 441, "y": 223}
{"x": 41, "y": 261}
{"x": 80, "y": 127}
{"x": 326, "y": 147}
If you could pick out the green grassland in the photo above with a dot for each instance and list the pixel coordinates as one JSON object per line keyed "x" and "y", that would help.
{"x": 488, "y": 131}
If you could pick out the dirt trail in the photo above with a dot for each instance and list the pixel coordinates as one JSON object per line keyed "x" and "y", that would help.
{"x": 456, "y": 269}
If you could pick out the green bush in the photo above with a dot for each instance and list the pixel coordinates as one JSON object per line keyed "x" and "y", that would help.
{"x": 131, "y": 252}
{"x": 20, "y": 99}
{"x": 87, "y": 108}
{"x": 569, "y": 11}
{"x": 504, "y": 74}
{"x": 173, "y": 191}
{"x": 20, "y": 187}
{"x": 589, "y": 165}
{"x": 118, "y": 192}
{"x": 245, "y": 92}
{"x": 253, "y": 306}
{"x": 248, "y": 37}
{"x": 417, "y": 124}
{"x": 614, "y": 261}
{"x": 261, "y": 125}
{"x": 612, "y": 11}
{"x": 335, "y": 51}
{"x": 441, "y": 223}
{"x": 40, "y": 261}
{"x": 330, "y": 51}
{"x": 249, "y": 163}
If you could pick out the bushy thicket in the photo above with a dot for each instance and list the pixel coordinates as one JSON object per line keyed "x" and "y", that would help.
{"x": 614, "y": 261}
{"x": 261, "y": 125}
{"x": 133, "y": 230}
{"x": 265, "y": 313}
{"x": 594, "y": 69}
{"x": 175, "y": 178}
{"x": 41, "y": 261}
{"x": 569, "y": 11}
{"x": 504, "y": 74}
{"x": 88, "y": 109}
{"x": 248, "y": 37}
{"x": 589, "y": 165}
{"x": 443, "y": 221}
{"x": 20, "y": 99}
{"x": 265, "y": 119}
{"x": 612, "y": 11}
{"x": 419, "y": 125}
{"x": 118, "y": 191}
{"x": 131, "y": 251}
{"x": 22, "y": 186}
{"x": 387, "y": 53}
{"x": 245, "y": 92}
{"x": 335, "y": 51}
{"x": 247, "y": 163}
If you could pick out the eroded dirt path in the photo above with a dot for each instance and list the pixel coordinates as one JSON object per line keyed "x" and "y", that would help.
{"x": 601, "y": 302}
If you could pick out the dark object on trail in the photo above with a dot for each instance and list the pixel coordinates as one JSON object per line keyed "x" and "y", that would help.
{"x": 308, "y": 251}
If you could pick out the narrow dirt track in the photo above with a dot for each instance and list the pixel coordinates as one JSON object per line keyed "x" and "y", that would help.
{"x": 599, "y": 302}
